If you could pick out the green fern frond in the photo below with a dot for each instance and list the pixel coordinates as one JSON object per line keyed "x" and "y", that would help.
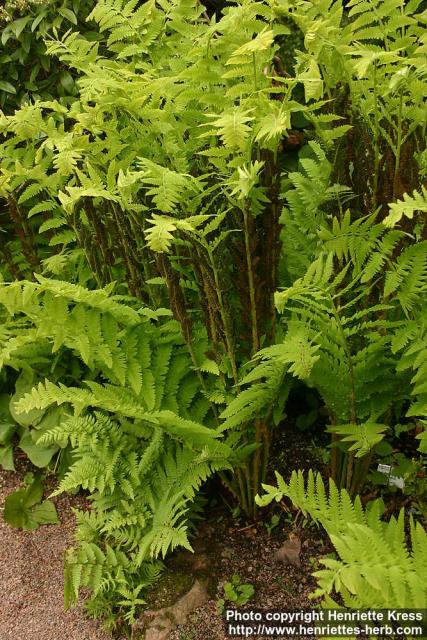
{"x": 375, "y": 567}
{"x": 407, "y": 207}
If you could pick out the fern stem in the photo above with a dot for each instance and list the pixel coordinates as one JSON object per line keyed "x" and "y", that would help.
{"x": 250, "y": 493}
{"x": 350, "y": 465}
{"x": 251, "y": 282}
{"x": 361, "y": 469}
{"x": 275, "y": 203}
{"x": 376, "y": 139}
{"x": 24, "y": 234}
{"x": 86, "y": 246}
{"x": 334, "y": 457}
{"x": 342, "y": 473}
{"x": 398, "y": 146}
{"x": 137, "y": 228}
{"x": 239, "y": 490}
{"x": 254, "y": 70}
{"x": 243, "y": 496}
{"x": 257, "y": 453}
{"x": 179, "y": 310}
{"x": 225, "y": 319}
{"x": 130, "y": 268}
{"x": 266, "y": 445}
{"x": 353, "y": 407}
{"x": 100, "y": 239}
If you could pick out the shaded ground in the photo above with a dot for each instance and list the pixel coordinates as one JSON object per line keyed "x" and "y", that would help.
{"x": 222, "y": 551}
{"x": 225, "y": 546}
{"x": 31, "y": 577}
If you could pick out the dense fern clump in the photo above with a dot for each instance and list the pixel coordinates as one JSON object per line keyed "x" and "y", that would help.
{"x": 169, "y": 159}
{"x": 353, "y": 304}
{"x": 130, "y": 425}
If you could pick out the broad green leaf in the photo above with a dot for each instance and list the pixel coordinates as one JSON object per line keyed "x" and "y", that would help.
{"x": 24, "y": 510}
{"x": 40, "y": 456}
{"x": 7, "y": 86}
{"x": 68, "y": 14}
{"x": 45, "y": 513}
{"x": 6, "y": 457}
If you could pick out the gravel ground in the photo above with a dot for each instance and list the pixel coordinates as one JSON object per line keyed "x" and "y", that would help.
{"x": 31, "y": 579}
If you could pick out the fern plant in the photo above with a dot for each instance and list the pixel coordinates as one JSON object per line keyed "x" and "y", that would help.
{"x": 202, "y": 266}
{"x": 376, "y": 567}
{"x": 131, "y": 424}
{"x": 355, "y": 298}
{"x": 372, "y": 58}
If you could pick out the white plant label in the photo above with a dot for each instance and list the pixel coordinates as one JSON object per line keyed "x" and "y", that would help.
{"x": 396, "y": 481}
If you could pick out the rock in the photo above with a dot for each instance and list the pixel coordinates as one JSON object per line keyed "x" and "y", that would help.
{"x": 289, "y": 551}
{"x": 165, "y": 620}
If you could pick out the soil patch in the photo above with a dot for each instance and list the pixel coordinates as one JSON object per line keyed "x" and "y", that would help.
{"x": 31, "y": 574}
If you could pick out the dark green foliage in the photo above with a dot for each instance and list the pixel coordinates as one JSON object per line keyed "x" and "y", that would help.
{"x": 27, "y": 73}
{"x": 25, "y": 509}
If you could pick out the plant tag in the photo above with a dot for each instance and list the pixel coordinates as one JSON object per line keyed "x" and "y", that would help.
{"x": 384, "y": 468}
{"x": 396, "y": 481}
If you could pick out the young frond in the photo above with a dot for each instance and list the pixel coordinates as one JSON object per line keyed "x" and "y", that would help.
{"x": 167, "y": 188}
